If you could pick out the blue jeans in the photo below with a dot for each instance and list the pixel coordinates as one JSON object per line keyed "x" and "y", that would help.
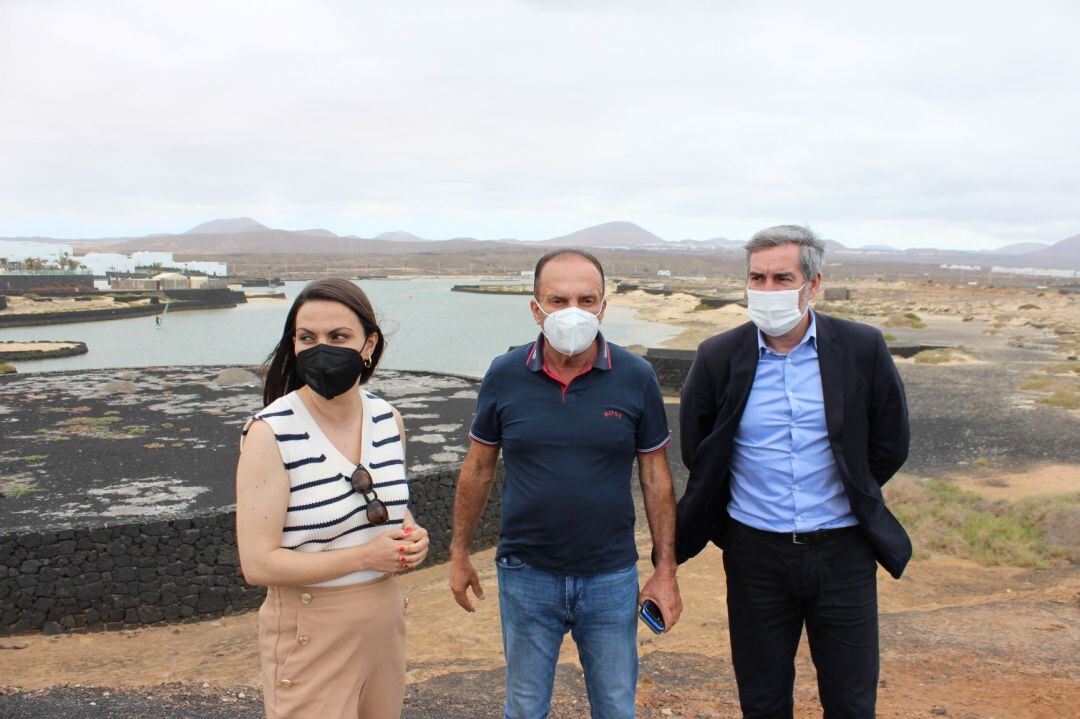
{"x": 537, "y": 608}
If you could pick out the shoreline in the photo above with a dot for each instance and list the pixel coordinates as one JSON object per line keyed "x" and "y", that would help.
{"x": 42, "y": 319}
{"x": 39, "y": 350}
{"x": 680, "y": 309}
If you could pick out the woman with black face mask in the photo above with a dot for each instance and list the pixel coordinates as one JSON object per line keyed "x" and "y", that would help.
{"x": 322, "y": 518}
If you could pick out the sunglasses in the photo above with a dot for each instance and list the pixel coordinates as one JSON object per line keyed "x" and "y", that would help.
{"x": 361, "y": 482}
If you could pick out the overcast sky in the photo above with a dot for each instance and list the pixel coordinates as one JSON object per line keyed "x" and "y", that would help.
{"x": 923, "y": 123}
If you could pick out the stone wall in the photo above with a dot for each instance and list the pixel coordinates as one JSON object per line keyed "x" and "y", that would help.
{"x": 66, "y": 349}
{"x": 717, "y": 302}
{"x": 213, "y": 301}
{"x": 835, "y": 294}
{"x": 124, "y": 575}
{"x": 221, "y": 296}
{"x": 671, "y": 367}
{"x": 31, "y": 282}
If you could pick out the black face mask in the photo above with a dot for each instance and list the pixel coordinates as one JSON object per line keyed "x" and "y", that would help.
{"x": 329, "y": 370}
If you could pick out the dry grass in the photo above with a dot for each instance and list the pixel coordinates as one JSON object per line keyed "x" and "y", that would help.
{"x": 942, "y": 518}
{"x": 1063, "y": 368}
{"x": 908, "y": 319}
{"x": 943, "y": 355}
{"x": 1060, "y": 389}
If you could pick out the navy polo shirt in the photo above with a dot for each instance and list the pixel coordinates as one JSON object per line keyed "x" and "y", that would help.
{"x": 569, "y": 453}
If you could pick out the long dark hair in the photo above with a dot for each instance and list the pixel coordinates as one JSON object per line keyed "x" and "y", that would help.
{"x": 280, "y": 366}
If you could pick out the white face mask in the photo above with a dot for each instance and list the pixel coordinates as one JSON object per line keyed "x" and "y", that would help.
{"x": 570, "y": 331}
{"x": 775, "y": 313}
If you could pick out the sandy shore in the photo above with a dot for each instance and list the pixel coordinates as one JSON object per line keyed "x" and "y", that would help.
{"x": 680, "y": 310}
{"x": 34, "y": 346}
{"x": 18, "y": 305}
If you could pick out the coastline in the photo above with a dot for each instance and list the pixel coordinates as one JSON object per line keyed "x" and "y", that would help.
{"x": 681, "y": 310}
{"x": 42, "y": 349}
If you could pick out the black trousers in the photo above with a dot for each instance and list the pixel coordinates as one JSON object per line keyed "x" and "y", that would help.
{"x": 774, "y": 587}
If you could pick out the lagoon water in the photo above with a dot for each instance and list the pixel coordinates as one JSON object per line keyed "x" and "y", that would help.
{"x": 428, "y": 328}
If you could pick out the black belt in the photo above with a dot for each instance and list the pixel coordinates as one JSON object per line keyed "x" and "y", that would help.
{"x": 800, "y": 537}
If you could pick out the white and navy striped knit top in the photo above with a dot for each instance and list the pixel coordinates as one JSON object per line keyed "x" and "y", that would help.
{"x": 324, "y": 511}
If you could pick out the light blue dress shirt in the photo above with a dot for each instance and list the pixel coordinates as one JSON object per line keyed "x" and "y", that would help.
{"x": 783, "y": 474}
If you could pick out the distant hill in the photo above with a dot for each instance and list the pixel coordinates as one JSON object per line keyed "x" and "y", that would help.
{"x": 229, "y": 237}
{"x": 609, "y": 234}
{"x": 261, "y": 242}
{"x": 275, "y": 242}
{"x": 227, "y": 227}
{"x": 1064, "y": 254}
{"x": 399, "y": 236}
{"x": 1020, "y": 248}
{"x": 715, "y": 243}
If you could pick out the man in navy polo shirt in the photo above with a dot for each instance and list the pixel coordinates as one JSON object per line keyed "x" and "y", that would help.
{"x": 571, "y": 412}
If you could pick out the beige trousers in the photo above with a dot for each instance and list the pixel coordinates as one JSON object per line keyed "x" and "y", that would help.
{"x": 333, "y": 652}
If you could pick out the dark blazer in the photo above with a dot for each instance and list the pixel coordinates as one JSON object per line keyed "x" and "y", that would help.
{"x": 865, "y": 413}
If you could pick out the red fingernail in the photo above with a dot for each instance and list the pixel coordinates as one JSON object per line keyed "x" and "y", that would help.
{"x": 408, "y": 529}
{"x": 408, "y": 566}
{"x": 401, "y": 549}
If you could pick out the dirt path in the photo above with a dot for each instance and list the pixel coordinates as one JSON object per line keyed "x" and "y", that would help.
{"x": 992, "y": 483}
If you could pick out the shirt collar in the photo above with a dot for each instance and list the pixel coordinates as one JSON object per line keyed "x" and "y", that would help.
{"x": 810, "y": 336}
{"x": 535, "y": 359}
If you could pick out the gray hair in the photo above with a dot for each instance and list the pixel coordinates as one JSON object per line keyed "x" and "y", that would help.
{"x": 812, "y": 248}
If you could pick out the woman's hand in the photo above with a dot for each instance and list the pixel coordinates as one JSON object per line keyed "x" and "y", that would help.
{"x": 385, "y": 553}
{"x": 417, "y": 552}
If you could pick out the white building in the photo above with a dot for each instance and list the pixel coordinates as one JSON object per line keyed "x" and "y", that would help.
{"x": 215, "y": 269}
{"x": 18, "y": 251}
{"x": 1037, "y": 272}
{"x": 149, "y": 259}
{"x": 104, "y": 262}
{"x": 101, "y": 263}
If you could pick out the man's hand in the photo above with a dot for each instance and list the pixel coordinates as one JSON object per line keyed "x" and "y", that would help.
{"x": 663, "y": 589}
{"x": 462, "y": 576}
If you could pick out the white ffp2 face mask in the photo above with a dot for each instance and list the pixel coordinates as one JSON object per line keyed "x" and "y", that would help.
{"x": 570, "y": 330}
{"x": 775, "y": 313}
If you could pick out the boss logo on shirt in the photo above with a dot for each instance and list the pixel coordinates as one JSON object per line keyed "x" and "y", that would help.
{"x": 613, "y": 413}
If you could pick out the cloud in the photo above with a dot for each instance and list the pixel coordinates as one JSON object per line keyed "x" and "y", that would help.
{"x": 920, "y": 124}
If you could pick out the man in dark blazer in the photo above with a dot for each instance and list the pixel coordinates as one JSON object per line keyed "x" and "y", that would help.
{"x": 790, "y": 425}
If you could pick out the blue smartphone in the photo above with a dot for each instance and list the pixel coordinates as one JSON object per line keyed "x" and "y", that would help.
{"x": 652, "y": 616}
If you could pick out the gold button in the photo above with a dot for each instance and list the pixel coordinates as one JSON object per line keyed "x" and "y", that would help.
{"x": 305, "y": 598}
{"x": 285, "y": 684}
{"x": 303, "y": 640}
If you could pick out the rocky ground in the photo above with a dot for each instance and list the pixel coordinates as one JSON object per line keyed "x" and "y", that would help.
{"x": 100, "y": 446}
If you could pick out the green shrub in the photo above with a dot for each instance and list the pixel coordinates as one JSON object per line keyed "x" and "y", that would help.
{"x": 945, "y": 519}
